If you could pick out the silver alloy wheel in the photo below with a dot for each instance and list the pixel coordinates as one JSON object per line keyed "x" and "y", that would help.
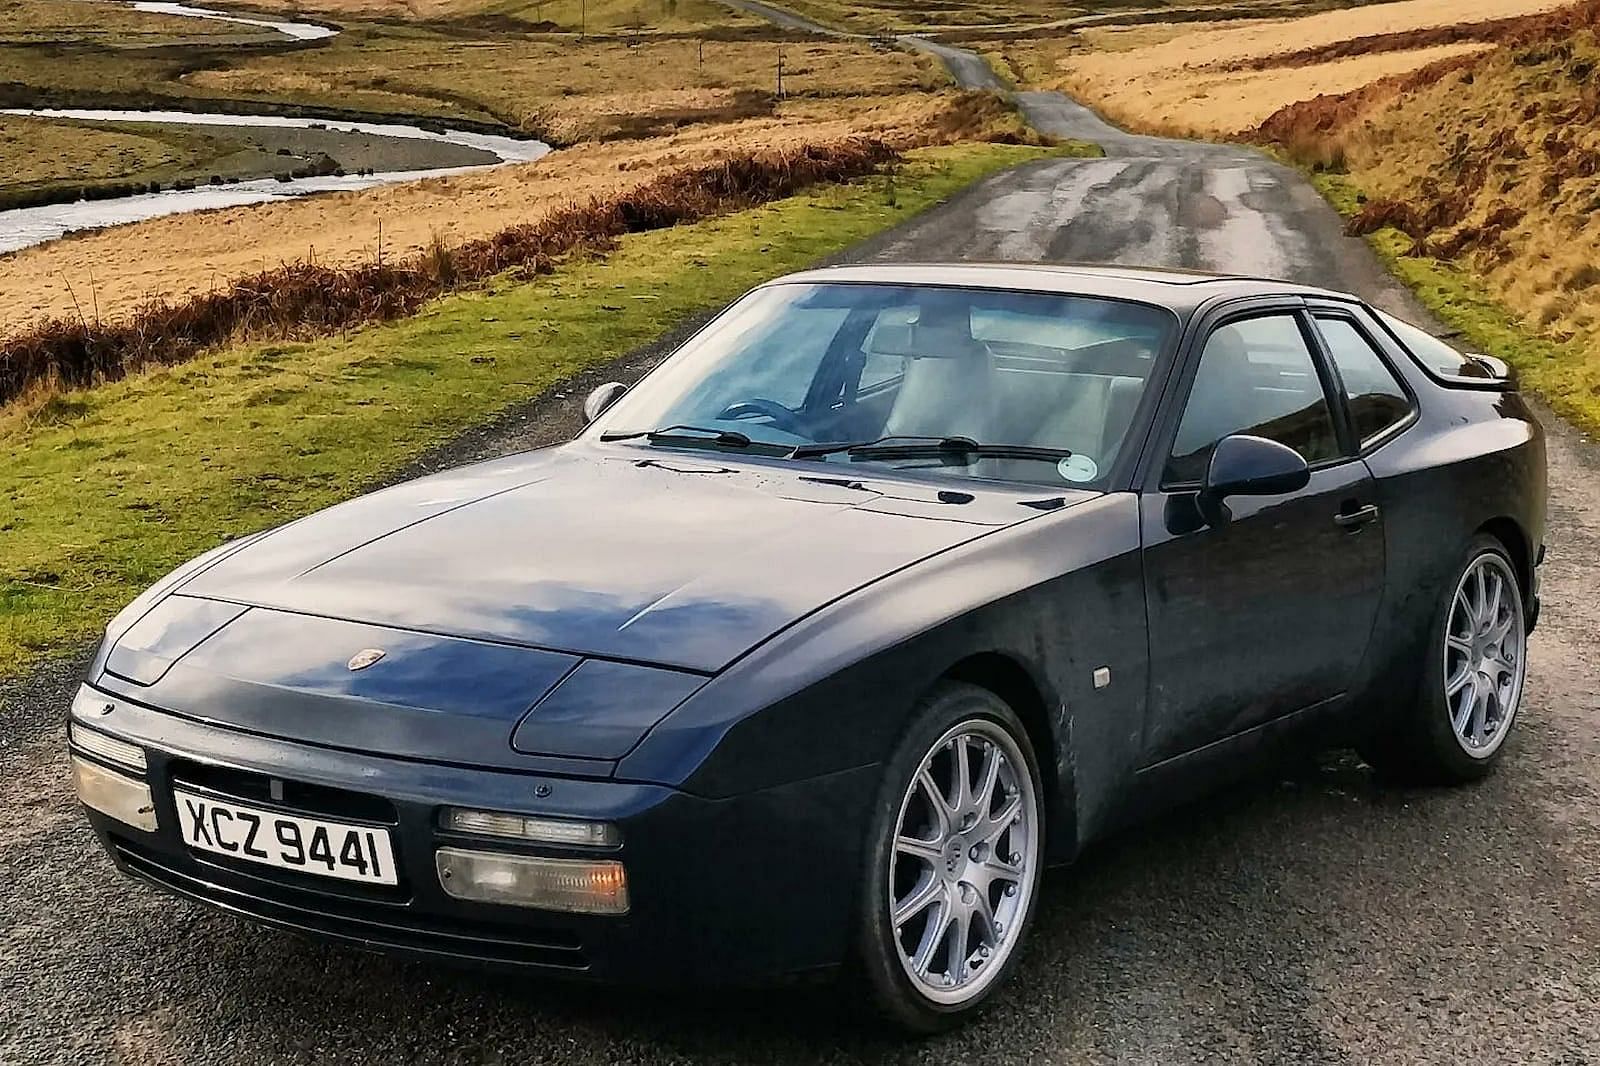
{"x": 1485, "y": 655}
{"x": 963, "y": 868}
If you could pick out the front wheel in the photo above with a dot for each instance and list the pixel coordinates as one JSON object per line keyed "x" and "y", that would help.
{"x": 955, "y": 853}
{"x": 1472, "y": 682}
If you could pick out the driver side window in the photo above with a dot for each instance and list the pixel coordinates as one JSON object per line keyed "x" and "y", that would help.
{"x": 1256, "y": 376}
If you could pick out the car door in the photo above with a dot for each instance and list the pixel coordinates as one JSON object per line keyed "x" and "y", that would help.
{"x": 1267, "y": 613}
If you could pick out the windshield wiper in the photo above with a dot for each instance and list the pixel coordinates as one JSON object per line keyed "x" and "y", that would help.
{"x": 687, "y": 434}
{"x": 953, "y": 449}
{"x": 813, "y": 451}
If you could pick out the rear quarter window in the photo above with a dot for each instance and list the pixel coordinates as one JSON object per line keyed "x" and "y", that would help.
{"x": 1439, "y": 358}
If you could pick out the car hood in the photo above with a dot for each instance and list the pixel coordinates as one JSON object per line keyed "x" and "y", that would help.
{"x": 684, "y": 559}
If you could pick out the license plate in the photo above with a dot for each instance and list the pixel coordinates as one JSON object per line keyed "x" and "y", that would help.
{"x": 286, "y": 841}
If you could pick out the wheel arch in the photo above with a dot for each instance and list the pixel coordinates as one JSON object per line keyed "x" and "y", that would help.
{"x": 1510, "y": 534}
{"x": 1008, "y": 678}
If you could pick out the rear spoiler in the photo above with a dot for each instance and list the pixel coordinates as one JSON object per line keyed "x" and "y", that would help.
{"x": 1484, "y": 371}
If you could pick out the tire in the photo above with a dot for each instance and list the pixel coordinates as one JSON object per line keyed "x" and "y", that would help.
{"x": 952, "y": 859}
{"x": 1454, "y": 730}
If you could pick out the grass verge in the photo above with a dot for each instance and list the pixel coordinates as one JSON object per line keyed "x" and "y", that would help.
{"x": 1560, "y": 372}
{"x": 106, "y": 489}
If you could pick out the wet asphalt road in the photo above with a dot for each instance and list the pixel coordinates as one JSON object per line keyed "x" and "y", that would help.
{"x": 1312, "y": 917}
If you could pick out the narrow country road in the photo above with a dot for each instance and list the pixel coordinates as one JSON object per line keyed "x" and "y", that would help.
{"x": 787, "y": 19}
{"x": 1314, "y": 918}
{"x": 971, "y": 71}
{"x": 968, "y": 69}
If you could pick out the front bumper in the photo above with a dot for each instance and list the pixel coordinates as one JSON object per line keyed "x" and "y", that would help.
{"x": 732, "y": 890}
{"x": 1536, "y": 594}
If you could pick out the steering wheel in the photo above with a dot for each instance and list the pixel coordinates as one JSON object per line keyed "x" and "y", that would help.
{"x": 782, "y": 417}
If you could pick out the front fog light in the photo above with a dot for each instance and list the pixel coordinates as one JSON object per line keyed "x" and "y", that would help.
{"x": 114, "y": 795}
{"x": 108, "y": 748}
{"x": 528, "y": 881}
{"x": 538, "y": 830}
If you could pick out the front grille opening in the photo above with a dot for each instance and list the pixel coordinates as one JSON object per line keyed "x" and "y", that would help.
{"x": 328, "y": 887}
{"x": 369, "y": 925}
{"x": 293, "y": 795}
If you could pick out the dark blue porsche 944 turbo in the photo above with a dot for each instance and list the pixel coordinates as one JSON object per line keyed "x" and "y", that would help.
{"x": 889, "y": 588}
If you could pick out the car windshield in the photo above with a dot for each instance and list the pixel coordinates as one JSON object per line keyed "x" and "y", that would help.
{"x": 964, "y": 382}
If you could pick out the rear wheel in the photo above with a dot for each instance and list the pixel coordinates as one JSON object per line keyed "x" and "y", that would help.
{"x": 1471, "y": 688}
{"x": 953, "y": 866}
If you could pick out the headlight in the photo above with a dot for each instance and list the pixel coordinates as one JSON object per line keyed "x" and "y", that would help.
{"x": 527, "y": 881}
{"x": 150, "y": 596}
{"x": 166, "y": 633}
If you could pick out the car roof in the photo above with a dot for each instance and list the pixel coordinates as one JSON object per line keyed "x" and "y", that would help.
{"x": 1180, "y": 290}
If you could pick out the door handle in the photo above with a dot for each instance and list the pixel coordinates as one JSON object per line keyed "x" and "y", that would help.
{"x": 1353, "y": 520}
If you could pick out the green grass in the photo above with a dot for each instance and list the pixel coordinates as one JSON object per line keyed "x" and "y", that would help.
{"x": 41, "y": 153}
{"x": 104, "y": 490}
{"x": 1562, "y": 373}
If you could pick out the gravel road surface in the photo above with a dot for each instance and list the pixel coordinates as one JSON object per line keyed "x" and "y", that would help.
{"x": 785, "y": 18}
{"x": 969, "y": 69}
{"x": 1315, "y": 917}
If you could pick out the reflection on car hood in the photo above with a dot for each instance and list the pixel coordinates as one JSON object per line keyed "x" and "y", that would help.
{"x": 678, "y": 558}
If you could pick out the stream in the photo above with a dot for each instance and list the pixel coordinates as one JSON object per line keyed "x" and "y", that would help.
{"x": 24, "y": 227}
{"x": 300, "y": 31}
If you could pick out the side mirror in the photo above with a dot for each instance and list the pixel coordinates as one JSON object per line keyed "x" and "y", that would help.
{"x": 1242, "y": 465}
{"x": 601, "y": 398}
